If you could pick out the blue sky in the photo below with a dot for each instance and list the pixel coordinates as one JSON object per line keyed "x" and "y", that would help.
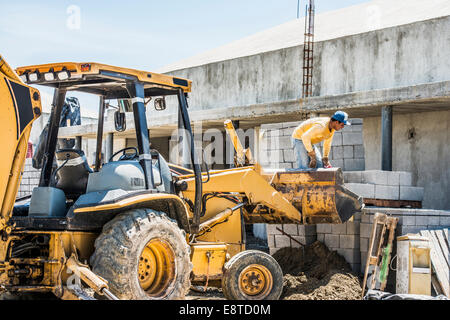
{"x": 141, "y": 34}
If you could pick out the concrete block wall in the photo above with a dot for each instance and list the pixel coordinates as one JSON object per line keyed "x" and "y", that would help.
{"x": 30, "y": 179}
{"x": 410, "y": 221}
{"x": 386, "y": 185}
{"x": 298, "y": 235}
{"x": 343, "y": 238}
{"x": 276, "y": 150}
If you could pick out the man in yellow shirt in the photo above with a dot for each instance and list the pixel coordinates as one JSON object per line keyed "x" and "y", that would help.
{"x": 313, "y": 131}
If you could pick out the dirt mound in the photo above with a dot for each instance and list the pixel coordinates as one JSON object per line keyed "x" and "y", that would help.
{"x": 316, "y": 273}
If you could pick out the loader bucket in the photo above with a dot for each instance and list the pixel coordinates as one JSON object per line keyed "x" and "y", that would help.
{"x": 320, "y": 194}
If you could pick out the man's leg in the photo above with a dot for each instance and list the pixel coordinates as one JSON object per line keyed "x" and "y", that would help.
{"x": 318, "y": 157}
{"x": 301, "y": 155}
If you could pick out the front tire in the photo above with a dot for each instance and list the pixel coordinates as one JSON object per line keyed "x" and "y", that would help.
{"x": 252, "y": 275}
{"x": 143, "y": 255}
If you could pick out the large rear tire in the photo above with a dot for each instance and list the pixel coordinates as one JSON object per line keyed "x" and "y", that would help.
{"x": 252, "y": 275}
{"x": 143, "y": 255}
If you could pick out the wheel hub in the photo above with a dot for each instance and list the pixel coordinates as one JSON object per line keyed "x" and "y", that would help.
{"x": 256, "y": 281}
{"x": 156, "y": 268}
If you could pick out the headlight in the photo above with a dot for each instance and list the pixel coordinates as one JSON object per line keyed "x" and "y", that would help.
{"x": 49, "y": 76}
{"x": 32, "y": 77}
{"x": 63, "y": 75}
{"x": 24, "y": 77}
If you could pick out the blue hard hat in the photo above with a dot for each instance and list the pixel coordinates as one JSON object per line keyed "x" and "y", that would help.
{"x": 341, "y": 116}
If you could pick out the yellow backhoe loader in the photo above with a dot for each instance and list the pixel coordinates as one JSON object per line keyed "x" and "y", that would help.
{"x": 138, "y": 227}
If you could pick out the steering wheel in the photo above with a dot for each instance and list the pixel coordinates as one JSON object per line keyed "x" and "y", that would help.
{"x": 126, "y": 156}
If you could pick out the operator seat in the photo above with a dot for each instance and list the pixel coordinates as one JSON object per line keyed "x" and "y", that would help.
{"x": 72, "y": 172}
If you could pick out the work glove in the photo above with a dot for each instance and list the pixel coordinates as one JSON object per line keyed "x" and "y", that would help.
{"x": 326, "y": 162}
{"x": 312, "y": 162}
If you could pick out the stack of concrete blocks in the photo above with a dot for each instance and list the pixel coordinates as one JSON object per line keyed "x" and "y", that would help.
{"x": 299, "y": 235}
{"x": 344, "y": 239}
{"x": 30, "y": 179}
{"x": 410, "y": 221}
{"x": 385, "y": 185}
{"x": 276, "y": 150}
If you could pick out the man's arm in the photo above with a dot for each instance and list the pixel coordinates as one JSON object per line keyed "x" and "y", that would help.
{"x": 327, "y": 146}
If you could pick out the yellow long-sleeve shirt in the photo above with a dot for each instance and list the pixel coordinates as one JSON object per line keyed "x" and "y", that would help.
{"x": 313, "y": 131}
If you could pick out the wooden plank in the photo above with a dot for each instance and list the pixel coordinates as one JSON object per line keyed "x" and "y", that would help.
{"x": 371, "y": 260}
{"x": 440, "y": 267}
{"x": 393, "y": 203}
{"x": 444, "y": 247}
{"x": 436, "y": 285}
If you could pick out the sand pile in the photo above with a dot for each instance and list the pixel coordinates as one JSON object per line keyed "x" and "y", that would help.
{"x": 316, "y": 273}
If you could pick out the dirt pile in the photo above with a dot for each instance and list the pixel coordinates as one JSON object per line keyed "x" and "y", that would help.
{"x": 316, "y": 273}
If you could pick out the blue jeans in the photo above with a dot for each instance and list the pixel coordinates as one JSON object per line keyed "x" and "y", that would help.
{"x": 301, "y": 155}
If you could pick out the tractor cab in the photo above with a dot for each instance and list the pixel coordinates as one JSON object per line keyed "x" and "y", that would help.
{"x": 70, "y": 189}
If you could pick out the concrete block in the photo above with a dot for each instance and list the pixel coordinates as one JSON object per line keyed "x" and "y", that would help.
{"x": 283, "y": 165}
{"x": 422, "y": 220}
{"x": 337, "y": 139}
{"x": 352, "y": 176}
{"x": 348, "y": 152}
{"x": 356, "y": 121}
{"x": 323, "y": 228}
{"x": 272, "y": 229}
{"x": 354, "y": 164}
{"x": 365, "y": 229}
{"x": 288, "y": 155}
{"x": 332, "y": 241}
{"x": 349, "y": 241}
{"x": 405, "y": 178}
{"x": 288, "y": 131}
{"x": 290, "y": 229}
{"x": 433, "y": 221}
{"x": 285, "y": 142}
{"x": 352, "y": 228}
{"x": 375, "y": 177}
{"x": 444, "y": 221}
{"x": 350, "y": 255}
{"x": 358, "y": 151}
{"x": 386, "y": 192}
{"x": 271, "y": 241}
{"x": 338, "y": 152}
{"x": 274, "y": 133}
{"x": 356, "y": 127}
{"x": 351, "y": 138}
{"x": 408, "y": 220}
{"x": 307, "y": 230}
{"x": 363, "y": 244}
{"x": 282, "y": 241}
{"x": 275, "y": 156}
{"x": 340, "y": 228}
{"x": 304, "y": 240}
{"x": 364, "y": 190}
{"x": 337, "y": 163}
{"x": 321, "y": 237}
{"x": 357, "y": 217}
{"x": 393, "y": 178}
{"x": 363, "y": 262}
{"x": 411, "y": 193}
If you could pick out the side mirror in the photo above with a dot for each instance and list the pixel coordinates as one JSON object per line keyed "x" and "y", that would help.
{"x": 160, "y": 104}
{"x": 120, "y": 122}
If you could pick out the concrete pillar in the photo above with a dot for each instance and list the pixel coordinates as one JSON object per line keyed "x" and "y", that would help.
{"x": 386, "y": 138}
{"x": 109, "y": 146}
{"x": 78, "y": 140}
